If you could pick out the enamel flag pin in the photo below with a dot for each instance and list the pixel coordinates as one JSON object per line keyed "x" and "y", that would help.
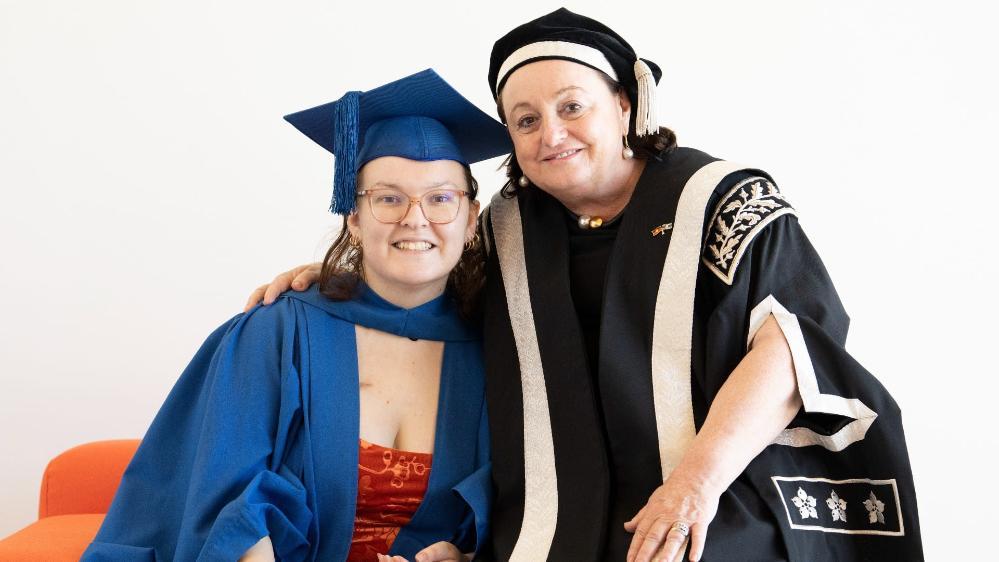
{"x": 662, "y": 228}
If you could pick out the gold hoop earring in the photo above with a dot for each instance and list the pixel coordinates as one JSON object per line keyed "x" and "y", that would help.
{"x": 356, "y": 253}
{"x": 471, "y": 242}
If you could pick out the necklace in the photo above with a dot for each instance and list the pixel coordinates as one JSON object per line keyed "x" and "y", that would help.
{"x": 587, "y": 222}
{"x": 590, "y": 222}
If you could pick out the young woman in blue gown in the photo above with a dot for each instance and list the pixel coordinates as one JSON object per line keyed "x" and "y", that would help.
{"x": 347, "y": 422}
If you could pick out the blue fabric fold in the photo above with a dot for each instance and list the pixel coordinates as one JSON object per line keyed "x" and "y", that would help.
{"x": 436, "y": 320}
{"x": 271, "y": 505}
{"x": 477, "y": 492}
{"x": 259, "y": 438}
{"x": 110, "y": 552}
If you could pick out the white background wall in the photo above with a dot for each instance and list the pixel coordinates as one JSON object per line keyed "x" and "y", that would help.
{"x": 148, "y": 183}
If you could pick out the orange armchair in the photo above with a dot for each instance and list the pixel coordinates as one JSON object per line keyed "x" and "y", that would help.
{"x": 77, "y": 489}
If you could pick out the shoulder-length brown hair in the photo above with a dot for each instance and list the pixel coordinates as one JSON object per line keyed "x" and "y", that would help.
{"x": 342, "y": 269}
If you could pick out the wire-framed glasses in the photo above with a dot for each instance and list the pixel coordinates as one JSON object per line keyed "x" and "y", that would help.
{"x": 439, "y": 206}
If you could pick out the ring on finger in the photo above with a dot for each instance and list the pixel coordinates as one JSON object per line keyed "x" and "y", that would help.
{"x": 680, "y": 527}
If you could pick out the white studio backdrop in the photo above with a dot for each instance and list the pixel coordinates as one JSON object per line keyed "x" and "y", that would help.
{"x": 148, "y": 183}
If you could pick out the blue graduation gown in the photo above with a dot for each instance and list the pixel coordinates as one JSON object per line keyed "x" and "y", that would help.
{"x": 260, "y": 437}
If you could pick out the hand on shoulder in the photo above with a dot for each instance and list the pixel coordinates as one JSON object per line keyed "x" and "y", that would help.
{"x": 298, "y": 278}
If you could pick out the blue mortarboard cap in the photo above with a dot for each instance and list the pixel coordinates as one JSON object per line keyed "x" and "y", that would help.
{"x": 420, "y": 117}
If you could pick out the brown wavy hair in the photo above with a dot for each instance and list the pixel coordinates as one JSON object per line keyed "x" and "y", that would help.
{"x": 342, "y": 269}
{"x": 656, "y": 146}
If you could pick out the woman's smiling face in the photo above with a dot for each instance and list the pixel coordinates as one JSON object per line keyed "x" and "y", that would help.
{"x": 414, "y": 255}
{"x": 567, "y": 128}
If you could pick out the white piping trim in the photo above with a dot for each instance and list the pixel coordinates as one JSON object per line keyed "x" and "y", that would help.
{"x": 537, "y": 529}
{"x": 672, "y": 330}
{"x": 812, "y": 399}
{"x": 548, "y": 49}
{"x": 894, "y": 487}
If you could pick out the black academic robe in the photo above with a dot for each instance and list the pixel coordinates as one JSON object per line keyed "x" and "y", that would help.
{"x": 704, "y": 253}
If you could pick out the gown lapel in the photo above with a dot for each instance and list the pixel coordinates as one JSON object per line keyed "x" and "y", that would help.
{"x": 579, "y": 455}
{"x": 332, "y": 419}
{"x": 632, "y": 282}
{"x": 633, "y": 276}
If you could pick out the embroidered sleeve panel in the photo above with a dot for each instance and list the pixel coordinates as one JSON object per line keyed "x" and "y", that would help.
{"x": 741, "y": 214}
{"x": 856, "y": 506}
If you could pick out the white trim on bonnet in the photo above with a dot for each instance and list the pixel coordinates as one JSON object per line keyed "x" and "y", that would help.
{"x": 562, "y": 49}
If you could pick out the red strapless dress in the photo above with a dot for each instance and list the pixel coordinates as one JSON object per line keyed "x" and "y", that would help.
{"x": 390, "y": 486}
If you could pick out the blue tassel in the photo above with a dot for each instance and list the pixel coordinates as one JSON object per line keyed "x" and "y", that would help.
{"x": 345, "y": 127}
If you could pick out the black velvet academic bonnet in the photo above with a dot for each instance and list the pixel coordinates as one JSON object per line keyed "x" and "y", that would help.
{"x": 568, "y": 36}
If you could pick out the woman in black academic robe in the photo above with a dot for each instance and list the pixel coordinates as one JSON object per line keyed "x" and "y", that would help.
{"x": 664, "y": 349}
